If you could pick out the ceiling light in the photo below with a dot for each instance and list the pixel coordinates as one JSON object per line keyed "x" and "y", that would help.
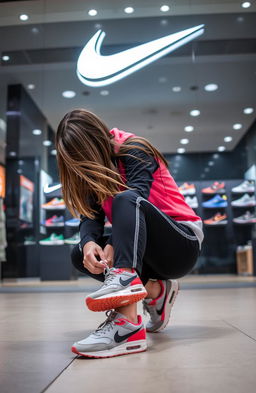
{"x": 240, "y": 19}
{"x": 221, "y": 148}
{"x": 98, "y": 26}
{"x": 23, "y": 17}
{"x": 92, "y": 12}
{"x": 181, "y": 150}
{"x": 5, "y": 58}
{"x": 104, "y": 92}
{"x": 53, "y": 152}
{"x": 35, "y": 30}
{"x": 162, "y": 79}
{"x": 248, "y": 111}
{"x": 31, "y": 86}
{"x": 211, "y": 87}
{"x": 129, "y": 10}
{"x": 164, "y": 8}
{"x": 184, "y": 141}
{"x": 237, "y": 126}
{"x": 176, "y": 89}
{"x": 246, "y": 4}
{"x": 12, "y": 153}
{"x": 195, "y": 112}
{"x": 206, "y": 169}
{"x": 36, "y": 132}
{"x": 47, "y": 143}
{"x": 215, "y": 156}
{"x": 210, "y": 163}
{"x": 164, "y": 22}
{"x": 228, "y": 139}
{"x": 203, "y": 176}
{"x": 189, "y": 128}
{"x": 68, "y": 94}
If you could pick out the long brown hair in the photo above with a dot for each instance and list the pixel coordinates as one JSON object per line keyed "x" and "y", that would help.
{"x": 86, "y": 154}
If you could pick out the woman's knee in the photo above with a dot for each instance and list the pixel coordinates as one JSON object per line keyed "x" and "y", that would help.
{"x": 128, "y": 196}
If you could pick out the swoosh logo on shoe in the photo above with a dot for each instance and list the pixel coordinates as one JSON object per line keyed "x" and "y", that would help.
{"x": 48, "y": 189}
{"x": 119, "y": 339}
{"x": 159, "y": 312}
{"x": 94, "y": 69}
{"x": 126, "y": 282}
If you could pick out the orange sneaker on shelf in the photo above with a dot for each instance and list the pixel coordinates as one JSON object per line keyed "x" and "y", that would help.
{"x": 187, "y": 189}
{"x": 215, "y": 188}
{"x": 54, "y": 204}
{"x": 218, "y": 219}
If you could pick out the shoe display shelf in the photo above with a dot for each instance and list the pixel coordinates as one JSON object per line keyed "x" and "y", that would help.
{"x": 243, "y": 204}
{"x": 55, "y": 244}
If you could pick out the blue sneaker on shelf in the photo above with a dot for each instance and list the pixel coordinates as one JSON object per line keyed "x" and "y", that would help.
{"x": 216, "y": 202}
{"x": 73, "y": 222}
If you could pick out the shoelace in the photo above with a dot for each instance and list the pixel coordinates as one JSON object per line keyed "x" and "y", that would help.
{"x": 109, "y": 276}
{"x": 107, "y": 325}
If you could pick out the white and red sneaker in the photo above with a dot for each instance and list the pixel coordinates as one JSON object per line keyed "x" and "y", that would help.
{"x": 114, "y": 337}
{"x": 159, "y": 309}
{"x": 120, "y": 288}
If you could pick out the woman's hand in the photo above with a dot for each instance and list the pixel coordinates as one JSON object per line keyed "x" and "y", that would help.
{"x": 109, "y": 254}
{"x": 91, "y": 251}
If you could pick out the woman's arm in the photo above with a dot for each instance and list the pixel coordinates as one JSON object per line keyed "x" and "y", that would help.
{"x": 92, "y": 229}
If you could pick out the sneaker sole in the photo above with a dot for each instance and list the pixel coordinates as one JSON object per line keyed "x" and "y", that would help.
{"x": 170, "y": 302}
{"x": 112, "y": 302}
{"x": 53, "y": 207}
{"x": 123, "y": 349}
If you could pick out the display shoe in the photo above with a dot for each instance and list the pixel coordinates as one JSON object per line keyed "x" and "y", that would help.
{"x": 215, "y": 188}
{"x": 120, "y": 288}
{"x": 216, "y": 202}
{"x": 54, "y": 204}
{"x": 245, "y": 186}
{"x": 244, "y": 201}
{"x": 114, "y": 337}
{"x": 73, "y": 239}
{"x": 217, "y": 219}
{"x": 247, "y": 218}
{"x": 73, "y": 222}
{"x": 192, "y": 202}
{"x": 160, "y": 309}
{"x": 187, "y": 189}
{"x": 53, "y": 240}
{"x": 54, "y": 221}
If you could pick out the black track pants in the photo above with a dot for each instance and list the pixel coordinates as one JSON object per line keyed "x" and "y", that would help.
{"x": 146, "y": 239}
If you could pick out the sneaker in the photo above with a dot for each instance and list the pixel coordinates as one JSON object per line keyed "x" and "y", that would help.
{"x": 192, "y": 202}
{"x": 54, "y": 221}
{"x": 29, "y": 240}
{"x": 73, "y": 222}
{"x": 73, "y": 239}
{"x": 53, "y": 240}
{"x": 245, "y": 186}
{"x": 114, "y": 337}
{"x": 217, "y": 219}
{"x": 187, "y": 189}
{"x": 247, "y": 218}
{"x": 215, "y": 202}
{"x": 160, "y": 309}
{"x": 120, "y": 288}
{"x": 244, "y": 201}
{"x": 215, "y": 188}
{"x": 54, "y": 204}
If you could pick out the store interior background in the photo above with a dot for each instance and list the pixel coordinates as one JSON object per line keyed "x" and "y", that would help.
{"x": 38, "y": 64}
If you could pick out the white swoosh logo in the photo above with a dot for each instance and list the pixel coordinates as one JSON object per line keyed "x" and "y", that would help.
{"x": 48, "y": 189}
{"x": 94, "y": 69}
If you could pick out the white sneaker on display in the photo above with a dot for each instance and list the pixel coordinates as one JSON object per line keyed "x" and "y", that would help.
{"x": 245, "y": 186}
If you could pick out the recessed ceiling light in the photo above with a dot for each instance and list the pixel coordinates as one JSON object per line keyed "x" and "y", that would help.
{"x": 189, "y": 128}
{"x": 68, "y": 94}
{"x": 53, "y": 152}
{"x": 206, "y": 169}
{"x": 211, "y": 87}
{"x": 35, "y": 30}
{"x": 162, "y": 79}
{"x": 240, "y": 19}
{"x": 210, "y": 163}
{"x": 5, "y": 58}
{"x": 181, "y": 150}
{"x": 36, "y": 132}
{"x": 129, "y": 10}
{"x": 221, "y": 148}
{"x": 98, "y": 26}
{"x": 104, "y": 92}
{"x": 24, "y": 17}
{"x": 184, "y": 141}
{"x": 12, "y": 153}
{"x": 47, "y": 143}
{"x": 246, "y": 4}
{"x": 176, "y": 89}
{"x": 248, "y": 111}
{"x": 92, "y": 12}
{"x": 31, "y": 86}
{"x": 237, "y": 126}
{"x": 228, "y": 139}
{"x": 203, "y": 176}
{"x": 164, "y": 8}
{"x": 164, "y": 22}
{"x": 195, "y": 112}
{"x": 215, "y": 156}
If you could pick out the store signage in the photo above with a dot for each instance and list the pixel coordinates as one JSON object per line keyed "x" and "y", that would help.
{"x": 95, "y": 69}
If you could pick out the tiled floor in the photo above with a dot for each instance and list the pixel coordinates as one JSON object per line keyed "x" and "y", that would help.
{"x": 209, "y": 346}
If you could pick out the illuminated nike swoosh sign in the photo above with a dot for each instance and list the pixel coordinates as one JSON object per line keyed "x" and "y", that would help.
{"x": 48, "y": 189}
{"x": 94, "y": 69}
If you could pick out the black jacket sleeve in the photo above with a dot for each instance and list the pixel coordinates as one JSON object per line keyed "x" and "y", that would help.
{"x": 139, "y": 172}
{"x": 92, "y": 229}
